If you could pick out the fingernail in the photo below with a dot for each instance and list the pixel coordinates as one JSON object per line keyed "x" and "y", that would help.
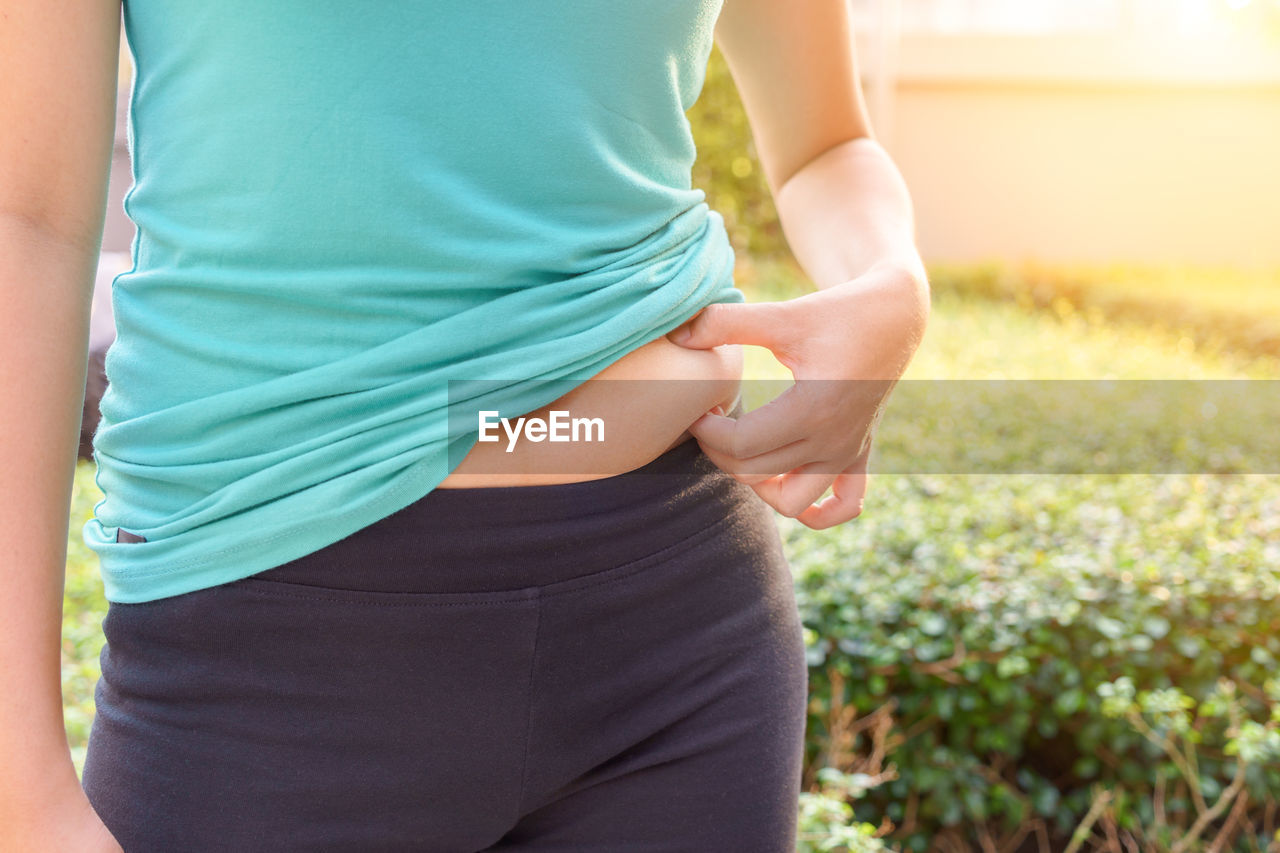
{"x": 718, "y": 410}
{"x": 680, "y": 334}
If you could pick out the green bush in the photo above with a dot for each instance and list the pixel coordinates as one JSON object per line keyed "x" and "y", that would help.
{"x": 982, "y": 615}
{"x": 826, "y": 817}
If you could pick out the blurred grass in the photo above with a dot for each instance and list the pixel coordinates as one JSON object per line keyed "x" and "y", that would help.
{"x": 987, "y": 323}
{"x": 1214, "y": 308}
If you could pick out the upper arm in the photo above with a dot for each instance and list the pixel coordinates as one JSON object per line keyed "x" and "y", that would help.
{"x": 59, "y": 61}
{"x": 796, "y": 71}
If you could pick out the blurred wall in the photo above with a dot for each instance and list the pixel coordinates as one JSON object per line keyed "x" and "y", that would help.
{"x": 1084, "y": 149}
{"x": 118, "y": 231}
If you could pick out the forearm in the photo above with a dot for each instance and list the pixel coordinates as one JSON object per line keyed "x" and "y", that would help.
{"x": 847, "y": 210}
{"x": 46, "y": 290}
{"x": 848, "y": 218}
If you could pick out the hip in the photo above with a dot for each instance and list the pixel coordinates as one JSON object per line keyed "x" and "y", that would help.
{"x": 411, "y": 687}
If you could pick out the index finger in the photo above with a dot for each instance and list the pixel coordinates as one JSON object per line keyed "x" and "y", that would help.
{"x": 776, "y": 424}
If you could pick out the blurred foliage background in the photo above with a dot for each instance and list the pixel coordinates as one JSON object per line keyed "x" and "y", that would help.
{"x": 728, "y": 168}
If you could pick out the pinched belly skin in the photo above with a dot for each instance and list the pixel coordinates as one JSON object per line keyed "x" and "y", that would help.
{"x": 667, "y": 387}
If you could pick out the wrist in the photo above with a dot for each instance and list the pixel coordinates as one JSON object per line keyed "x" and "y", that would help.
{"x": 903, "y": 263}
{"x": 890, "y": 306}
{"x": 895, "y": 283}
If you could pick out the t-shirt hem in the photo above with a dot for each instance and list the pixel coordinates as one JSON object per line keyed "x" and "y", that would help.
{"x": 308, "y": 534}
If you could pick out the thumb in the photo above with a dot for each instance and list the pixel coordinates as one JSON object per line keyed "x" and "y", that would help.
{"x": 752, "y": 323}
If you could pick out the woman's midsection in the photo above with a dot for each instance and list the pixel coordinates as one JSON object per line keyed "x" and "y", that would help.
{"x": 622, "y": 418}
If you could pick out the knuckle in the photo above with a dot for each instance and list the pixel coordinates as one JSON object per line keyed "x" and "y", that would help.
{"x": 711, "y": 314}
{"x": 792, "y": 507}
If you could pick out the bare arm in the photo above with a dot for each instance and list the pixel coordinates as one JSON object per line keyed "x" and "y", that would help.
{"x": 847, "y": 217}
{"x": 841, "y": 200}
{"x": 59, "y": 64}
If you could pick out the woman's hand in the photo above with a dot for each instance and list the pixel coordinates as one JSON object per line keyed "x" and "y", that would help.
{"x": 847, "y": 346}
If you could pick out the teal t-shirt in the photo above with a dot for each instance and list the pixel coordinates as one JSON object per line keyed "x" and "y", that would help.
{"x": 344, "y": 207}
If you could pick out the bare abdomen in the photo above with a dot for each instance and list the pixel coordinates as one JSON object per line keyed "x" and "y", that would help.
{"x": 667, "y": 387}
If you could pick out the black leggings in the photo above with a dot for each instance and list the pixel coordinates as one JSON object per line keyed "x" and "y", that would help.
{"x": 611, "y": 665}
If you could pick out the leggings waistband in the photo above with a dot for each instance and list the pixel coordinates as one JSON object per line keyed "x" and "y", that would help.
{"x": 512, "y": 537}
